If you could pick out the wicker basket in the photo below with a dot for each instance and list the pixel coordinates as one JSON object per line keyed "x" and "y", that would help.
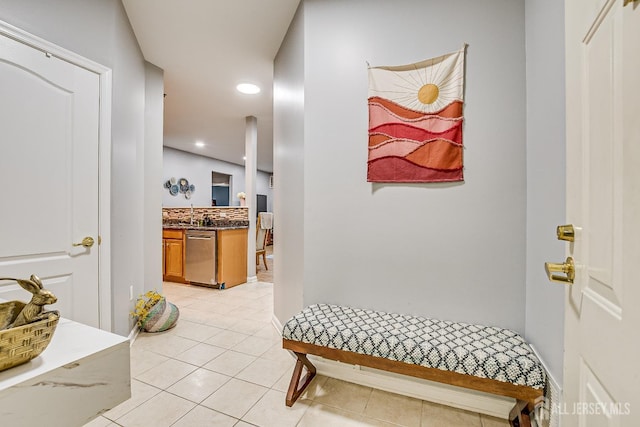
{"x": 21, "y": 344}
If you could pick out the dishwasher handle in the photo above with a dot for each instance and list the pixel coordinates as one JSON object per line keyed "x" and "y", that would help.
{"x": 200, "y": 237}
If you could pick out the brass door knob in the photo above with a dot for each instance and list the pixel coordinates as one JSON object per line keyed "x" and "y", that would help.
{"x": 567, "y": 267}
{"x": 566, "y": 232}
{"x": 87, "y": 242}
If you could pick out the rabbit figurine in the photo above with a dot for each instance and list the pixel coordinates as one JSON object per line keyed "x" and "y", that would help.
{"x": 40, "y": 298}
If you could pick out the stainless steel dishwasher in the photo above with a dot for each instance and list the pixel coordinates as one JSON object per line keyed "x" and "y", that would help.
{"x": 200, "y": 257}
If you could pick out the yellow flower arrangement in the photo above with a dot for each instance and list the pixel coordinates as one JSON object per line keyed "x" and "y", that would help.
{"x": 144, "y": 304}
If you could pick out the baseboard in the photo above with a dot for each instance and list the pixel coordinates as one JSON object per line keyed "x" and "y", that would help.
{"x": 553, "y": 399}
{"x": 133, "y": 335}
{"x": 545, "y": 415}
{"x": 252, "y": 279}
{"x": 470, "y": 400}
{"x": 276, "y": 323}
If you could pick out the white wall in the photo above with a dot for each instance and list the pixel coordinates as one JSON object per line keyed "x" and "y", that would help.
{"x": 100, "y": 31}
{"x": 289, "y": 171}
{"x": 127, "y": 207}
{"x": 451, "y": 251}
{"x": 154, "y": 115}
{"x": 545, "y": 177}
{"x": 197, "y": 169}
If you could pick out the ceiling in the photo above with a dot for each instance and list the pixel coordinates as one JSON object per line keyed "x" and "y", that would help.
{"x": 206, "y": 48}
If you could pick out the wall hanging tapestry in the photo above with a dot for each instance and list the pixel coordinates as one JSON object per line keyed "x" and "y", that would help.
{"x": 415, "y": 121}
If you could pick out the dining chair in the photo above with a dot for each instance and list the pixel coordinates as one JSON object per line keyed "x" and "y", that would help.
{"x": 261, "y": 242}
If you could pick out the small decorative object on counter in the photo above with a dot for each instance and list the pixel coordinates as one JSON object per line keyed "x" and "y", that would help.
{"x": 26, "y": 329}
{"x": 243, "y": 198}
{"x": 154, "y": 313}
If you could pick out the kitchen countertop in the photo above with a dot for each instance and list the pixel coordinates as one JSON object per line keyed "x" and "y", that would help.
{"x": 218, "y": 225}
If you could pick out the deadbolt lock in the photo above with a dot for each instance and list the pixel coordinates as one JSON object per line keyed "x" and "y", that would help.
{"x": 566, "y": 232}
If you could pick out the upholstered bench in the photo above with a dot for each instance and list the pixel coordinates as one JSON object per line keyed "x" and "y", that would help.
{"x": 488, "y": 359}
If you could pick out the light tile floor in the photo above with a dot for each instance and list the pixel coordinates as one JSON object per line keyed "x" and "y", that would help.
{"x": 265, "y": 273}
{"x": 223, "y": 365}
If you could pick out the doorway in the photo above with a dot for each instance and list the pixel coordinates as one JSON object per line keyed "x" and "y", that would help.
{"x": 55, "y": 114}
{"x": 220, "y": 189}
{"x": 601, "y": 315}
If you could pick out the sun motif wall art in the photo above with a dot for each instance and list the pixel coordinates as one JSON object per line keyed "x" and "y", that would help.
{"x": 415, "y": 121}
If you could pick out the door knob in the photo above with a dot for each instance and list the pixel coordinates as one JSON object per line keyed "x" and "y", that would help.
{"x": 566, "y": 232}
{"x": 567, "y": 267}
{"x": 87, "y": 242}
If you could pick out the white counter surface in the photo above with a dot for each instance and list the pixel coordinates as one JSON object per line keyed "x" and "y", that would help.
{"x": 82, "y": 373}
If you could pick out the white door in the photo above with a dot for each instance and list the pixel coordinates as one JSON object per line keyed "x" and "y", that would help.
{"x": 602, "y": 324}
{"x": 49, "y": 113}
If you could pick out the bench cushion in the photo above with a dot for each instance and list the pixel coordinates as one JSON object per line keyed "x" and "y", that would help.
{"x": 481, "y": 351}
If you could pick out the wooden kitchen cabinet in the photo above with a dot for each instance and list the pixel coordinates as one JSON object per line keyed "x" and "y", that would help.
{"x": 173, "y": 256}
{"x": 232, "y": 256}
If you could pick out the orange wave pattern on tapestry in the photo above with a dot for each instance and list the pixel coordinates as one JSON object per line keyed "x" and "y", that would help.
{"x": 393, "y": 147}
{"x": 405, "y": 131}
{"x": 376, "y": 139}
{"x": 451, "y": 111}
{"x": 436, "y": 153}
{"x": 410, "y": 146}
{"x": 379, "y": 114}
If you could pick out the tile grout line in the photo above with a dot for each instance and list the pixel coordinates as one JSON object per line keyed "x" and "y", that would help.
{"x": 202, "y": 367}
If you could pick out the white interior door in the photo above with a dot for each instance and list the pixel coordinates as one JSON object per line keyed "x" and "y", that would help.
{"x": 602, "y": 345}
{"x": 49, "y": 111}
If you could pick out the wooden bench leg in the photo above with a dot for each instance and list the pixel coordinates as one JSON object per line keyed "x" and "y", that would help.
{"x": 520, "y": 415}
{"x": 294, "y": 391}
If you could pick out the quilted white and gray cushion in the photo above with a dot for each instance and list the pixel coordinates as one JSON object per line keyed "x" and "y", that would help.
{"x": 481, "y": 351}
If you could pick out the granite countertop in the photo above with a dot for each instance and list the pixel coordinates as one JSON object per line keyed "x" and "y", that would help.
{"x": 217, "y": 225}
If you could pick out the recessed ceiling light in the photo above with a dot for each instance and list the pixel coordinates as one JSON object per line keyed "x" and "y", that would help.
{"x": 199, "y": 144}
{"x": 244, "y": 157}
{"x": 248, "y": 88}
